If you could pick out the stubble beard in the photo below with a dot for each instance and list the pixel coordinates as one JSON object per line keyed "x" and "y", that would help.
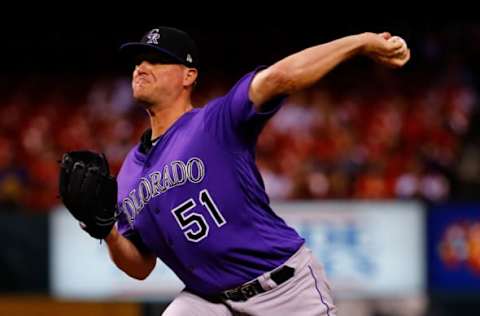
{"x": 143, "y": 100}
{"x": 144, "y": 104}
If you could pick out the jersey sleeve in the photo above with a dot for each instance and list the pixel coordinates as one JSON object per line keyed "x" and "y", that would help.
{"x": 233, "y": 117}
{"x": 125, "y": 229}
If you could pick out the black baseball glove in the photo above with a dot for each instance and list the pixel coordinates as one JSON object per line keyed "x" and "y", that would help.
{"x": 89, "y": 191}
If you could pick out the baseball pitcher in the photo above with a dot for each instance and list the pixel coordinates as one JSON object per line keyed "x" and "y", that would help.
{"x": 189, "y": 192}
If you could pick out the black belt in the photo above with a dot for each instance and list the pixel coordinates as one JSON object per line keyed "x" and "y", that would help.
{"x": 244, "y": 292}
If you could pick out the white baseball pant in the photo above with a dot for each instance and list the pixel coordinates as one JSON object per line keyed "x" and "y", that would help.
{"x": 306, "y": 293}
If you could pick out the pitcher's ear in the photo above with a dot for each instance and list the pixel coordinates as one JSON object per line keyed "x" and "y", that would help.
{"x": 190, "y": 76}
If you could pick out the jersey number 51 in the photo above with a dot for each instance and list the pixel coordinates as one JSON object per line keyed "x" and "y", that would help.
{"x": 188, "y": 222}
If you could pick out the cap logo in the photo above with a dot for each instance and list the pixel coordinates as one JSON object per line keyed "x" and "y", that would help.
{"x": 153, "y": 36}
{"x": 189, "y": 58}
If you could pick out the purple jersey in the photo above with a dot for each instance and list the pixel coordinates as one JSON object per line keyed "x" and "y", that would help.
{"x": 198, "y": 202}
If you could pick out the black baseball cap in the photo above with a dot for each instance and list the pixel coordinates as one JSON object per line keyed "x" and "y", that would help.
{"x": 169, "y": 44}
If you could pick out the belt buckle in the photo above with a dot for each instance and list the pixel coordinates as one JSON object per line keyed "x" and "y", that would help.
{"x": 248, "y": 290}
{"x": 234, "y": 294}
{"x": 241, "y": 293}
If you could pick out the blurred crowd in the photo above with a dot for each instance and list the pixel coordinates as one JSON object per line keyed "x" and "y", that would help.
{"x": 43, "y": 118}
{"x": 388, "y": 140}
{"x": 366, "y": 135}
